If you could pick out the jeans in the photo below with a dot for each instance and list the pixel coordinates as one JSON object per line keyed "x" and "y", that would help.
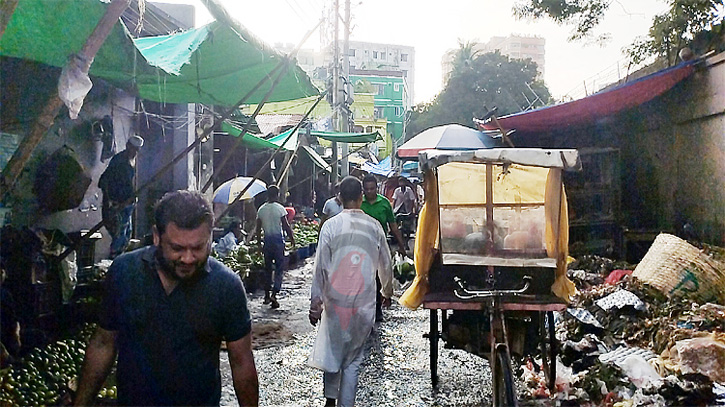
{"x": 273, "y": 250}
{"x": 121, "y": 231}
{"x": 342, "y": 385}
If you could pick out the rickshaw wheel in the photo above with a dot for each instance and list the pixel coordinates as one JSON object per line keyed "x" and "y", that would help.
{"x": 504, "y": 388}
{"x": 433, "y": 337}
{"x": 548, "y": 348}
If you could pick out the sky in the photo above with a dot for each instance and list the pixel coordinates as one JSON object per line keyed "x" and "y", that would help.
{"x": 573, "y": 69}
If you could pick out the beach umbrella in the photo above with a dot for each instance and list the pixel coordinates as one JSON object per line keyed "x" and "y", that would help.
{"x": 448, "y": 137}
{"x": 227, "y": 192}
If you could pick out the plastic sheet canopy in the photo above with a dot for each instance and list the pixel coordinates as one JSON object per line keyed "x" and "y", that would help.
{"x": 212, "y": 64}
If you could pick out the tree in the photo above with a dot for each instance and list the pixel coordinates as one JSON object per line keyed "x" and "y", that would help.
{"x": 584, "y": 14}
{"x": 676, "y": 29}
{"x": 488, "y": 80}
{"x": 681, "y": 23}
{"x": 463, "y": 57}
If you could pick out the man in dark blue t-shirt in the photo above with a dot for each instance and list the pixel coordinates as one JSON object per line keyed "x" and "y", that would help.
{"x": 165, "y": 311}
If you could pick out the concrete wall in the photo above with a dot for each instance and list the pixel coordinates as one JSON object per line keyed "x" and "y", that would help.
{"x": 672, "y": 160}
{"x": 26, "y": 87}
{"x": 166, "y": 129}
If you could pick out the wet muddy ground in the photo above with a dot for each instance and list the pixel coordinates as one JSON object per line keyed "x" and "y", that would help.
{"x": 396, "y": 370}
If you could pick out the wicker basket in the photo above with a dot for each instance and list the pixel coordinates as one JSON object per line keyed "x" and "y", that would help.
{"x": 674, "y": 266}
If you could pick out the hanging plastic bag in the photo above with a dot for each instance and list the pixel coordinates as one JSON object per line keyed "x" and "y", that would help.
{"x": 74, "y": 84}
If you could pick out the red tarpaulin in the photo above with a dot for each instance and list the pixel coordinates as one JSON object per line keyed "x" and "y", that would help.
{"x": 590, "y": 108}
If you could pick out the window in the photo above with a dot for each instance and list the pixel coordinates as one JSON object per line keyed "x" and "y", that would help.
{"x": 403, "y": 57}
{"x": 377, "y": 112}
{"x": 382, "y": 55}
{"x": 396, "y": 87}
{"x": 375, "y": 54}
{"x": 379, "y": 89}
{"x": 352, "y": 52}
{"x": 398, "y": 111}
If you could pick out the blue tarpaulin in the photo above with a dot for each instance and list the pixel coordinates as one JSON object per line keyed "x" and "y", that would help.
{"x": 383, "y": 168}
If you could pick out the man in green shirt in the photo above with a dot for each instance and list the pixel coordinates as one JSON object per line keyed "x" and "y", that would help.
{"x": 379, "y": 207}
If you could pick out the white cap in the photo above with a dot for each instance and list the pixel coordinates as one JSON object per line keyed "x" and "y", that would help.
{"x": 136, "y": 141}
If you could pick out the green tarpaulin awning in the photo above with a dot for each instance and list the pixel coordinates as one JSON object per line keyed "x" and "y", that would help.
{"x": 279, "y": 139}
{"x": 212, "y": 64}
{"x": 347, "y": 137}
{"x": 249, "y": 140}
{"x": 317, "y": 159}
{"x": 330, "y": 136}
{"x": 219, "y": 65}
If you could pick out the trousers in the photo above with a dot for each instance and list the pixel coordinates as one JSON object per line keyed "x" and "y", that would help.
{"x": 342, "y": 385}
{"x": 119, "y": 223}
{"x": 273, "y": 257}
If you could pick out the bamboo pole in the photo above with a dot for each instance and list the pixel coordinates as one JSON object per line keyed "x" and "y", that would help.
{"x": 259, "y": 172}
{"x": 246, "y": 127}
{"x": 315, "y": 173}
{"x": 170, "y": 165}
{"x": 7, "y": 8}
{"x": 20, "y": 158}
{"x": 290, "y": 57}
{"x": 220, "y": 13}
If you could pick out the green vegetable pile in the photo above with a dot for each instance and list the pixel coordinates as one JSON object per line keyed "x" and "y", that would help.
{"x": 243, "y": 259}
{"x": 43, "y": 375}
{"x": 305, "y": 233}
{"x": 404, "y": 270}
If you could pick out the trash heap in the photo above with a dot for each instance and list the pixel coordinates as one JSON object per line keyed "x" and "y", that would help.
{"x": 625, "y": 341}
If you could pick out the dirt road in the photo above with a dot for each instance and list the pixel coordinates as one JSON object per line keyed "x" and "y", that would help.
{"x": 395, "y": 372}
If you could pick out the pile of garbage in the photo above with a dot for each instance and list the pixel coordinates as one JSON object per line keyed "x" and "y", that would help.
{"x": 624, "y": 341}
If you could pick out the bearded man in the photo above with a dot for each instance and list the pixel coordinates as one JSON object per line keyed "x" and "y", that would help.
{"x": 165, "y": 311}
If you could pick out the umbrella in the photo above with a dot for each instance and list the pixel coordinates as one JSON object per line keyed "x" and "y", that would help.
{"x": 229, "y": 191}
{"x": 448, "y": 137}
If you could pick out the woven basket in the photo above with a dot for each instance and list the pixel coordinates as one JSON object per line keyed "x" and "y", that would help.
{"x": 674, "y": 266}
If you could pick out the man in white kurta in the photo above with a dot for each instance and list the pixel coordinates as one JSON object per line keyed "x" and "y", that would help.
{"x": 352, "y": 249}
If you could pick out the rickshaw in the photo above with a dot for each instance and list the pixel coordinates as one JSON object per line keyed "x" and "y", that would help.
{"x": 490, "y": 256}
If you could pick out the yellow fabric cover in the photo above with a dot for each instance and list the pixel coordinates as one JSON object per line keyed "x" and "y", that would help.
{"x": 426, "y": 242}
{"x": 557, "y": 213}
{"x": 521, "y": 184}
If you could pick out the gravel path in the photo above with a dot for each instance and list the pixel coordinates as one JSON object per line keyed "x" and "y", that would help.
{"x": 396, "y": 370}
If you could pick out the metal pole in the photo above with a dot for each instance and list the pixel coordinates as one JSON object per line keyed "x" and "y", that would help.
{"x": 335, "y": 88}
{"x": 346, "y": 75}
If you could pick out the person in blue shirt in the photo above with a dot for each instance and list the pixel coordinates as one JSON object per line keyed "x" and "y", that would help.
{"x": 165, "y": 311}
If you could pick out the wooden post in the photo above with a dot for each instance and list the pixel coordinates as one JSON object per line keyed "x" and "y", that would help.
{"x": 261, "y": 168}
{"x": 47, "y": 115}
{"x": 7, "y": 8}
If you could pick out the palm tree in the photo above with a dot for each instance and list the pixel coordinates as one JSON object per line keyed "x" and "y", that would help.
{"x": 463, "y": 57}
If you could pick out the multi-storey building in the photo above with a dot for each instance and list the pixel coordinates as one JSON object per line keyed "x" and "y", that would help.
{"x": 514, "y": 46}
{"x": 390, "y": 95}
{"x": 370, "y": 56}
{"x": 386, "y": 71}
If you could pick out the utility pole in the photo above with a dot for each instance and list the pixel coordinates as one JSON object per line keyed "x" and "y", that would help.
{"x": 335, "y": 88}
{"x": 344, "y": 108}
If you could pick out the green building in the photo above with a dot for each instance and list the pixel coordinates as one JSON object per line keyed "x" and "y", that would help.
{"x": 390, "y": 92}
